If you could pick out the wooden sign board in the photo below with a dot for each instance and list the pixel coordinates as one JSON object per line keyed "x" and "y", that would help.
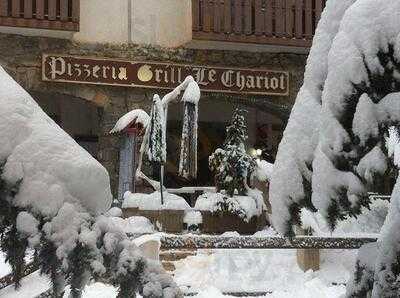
{"x": 157, "y": 75}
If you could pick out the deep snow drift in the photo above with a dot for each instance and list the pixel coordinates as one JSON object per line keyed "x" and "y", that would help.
{"x": 54, "y": 169}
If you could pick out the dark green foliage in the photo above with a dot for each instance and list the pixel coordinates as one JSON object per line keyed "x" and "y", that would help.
{"x": 231, "y": 165}
{"x": 130, "y": 283}
{"x": 12, "y": 243}
{"x": 50, "y": 265}
{"x": 236, "y": 132}
{"x": 79, "y": 269}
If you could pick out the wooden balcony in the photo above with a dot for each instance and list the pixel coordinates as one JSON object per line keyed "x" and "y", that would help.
{"x": 273, "y": 22}
{"x": 42, "y": 14}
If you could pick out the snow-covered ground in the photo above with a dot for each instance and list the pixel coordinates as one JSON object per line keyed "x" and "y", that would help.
{"x": 209, "y": 274}
{"x": 264, "y": 271}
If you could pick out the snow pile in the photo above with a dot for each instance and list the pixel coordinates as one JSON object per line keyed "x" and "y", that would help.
{"x": 243, "y": 270}
{"x": 153, "y": 201}
{"x": 192, "y": 92}
{"x": 264, "y": 170}
{"x": 246, "y": 207}
{"x": 137, "y": 116}
{"x": 53, "y": 168}
{"x": 292, "y": 170}
{"x": 369, "y": 223}
{"x": 393, "y": 145}
{"x": 192, "y": 218}
{"x": 134, "y": 225}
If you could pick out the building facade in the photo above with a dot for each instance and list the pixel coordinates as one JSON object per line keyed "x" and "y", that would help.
{"x": 89, "y": 62}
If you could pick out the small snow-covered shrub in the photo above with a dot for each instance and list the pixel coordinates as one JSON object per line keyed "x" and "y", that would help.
{"x": 193, "y": 220}
{"x": 231, "y": 164}
{"x": 245, "y": 207}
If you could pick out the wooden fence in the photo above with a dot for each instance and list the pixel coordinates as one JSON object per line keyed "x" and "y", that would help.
{"x": 42, "y": 14}
{"x": 276, "y": 22}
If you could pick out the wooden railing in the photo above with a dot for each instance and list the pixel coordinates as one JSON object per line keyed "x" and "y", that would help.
{"x": 43, "y": 14}
{"x": 275, "y": 22}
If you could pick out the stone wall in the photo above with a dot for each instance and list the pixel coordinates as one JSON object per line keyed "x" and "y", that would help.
{"x": 21, "y": 57}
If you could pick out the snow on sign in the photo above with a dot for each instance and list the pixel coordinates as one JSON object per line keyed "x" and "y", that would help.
{"x": 99, "y": 71}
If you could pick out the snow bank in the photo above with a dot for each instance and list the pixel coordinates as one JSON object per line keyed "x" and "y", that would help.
{"x": 134, "y": 224}
{"x": 264, "y": 170}
{"x": 53, "y": 168}
{"x": 192, "y": 93}
{"x": 369, "y": 223}
{"x": 138, "y": 116}
{"x": 153, "y": 201}
{"x": 192, "y": 218}
{"x": 238, "y": 270}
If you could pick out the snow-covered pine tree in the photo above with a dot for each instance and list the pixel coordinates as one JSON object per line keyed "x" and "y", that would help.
{"x": 360, "y": 104}
{"x": 296, "y": 150}
{"x": 232, "y": 166}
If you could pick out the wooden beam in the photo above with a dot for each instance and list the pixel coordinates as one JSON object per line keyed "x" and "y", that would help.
{"x": 249, "y": 242}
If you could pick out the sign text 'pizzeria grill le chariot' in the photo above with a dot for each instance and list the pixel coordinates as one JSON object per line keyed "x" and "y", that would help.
{"x": 155, "y": 75}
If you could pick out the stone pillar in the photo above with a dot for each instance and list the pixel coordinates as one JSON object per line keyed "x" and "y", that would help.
{"x": 307, "y": 258}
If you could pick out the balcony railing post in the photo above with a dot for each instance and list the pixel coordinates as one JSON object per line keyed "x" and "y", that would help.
{"x": 248, "y": 21}
{"x": 258, "y": 17}
{"x": 4, "y": 8}
{"x": 308, "y": 19}
{"x": 268, "y": 17}
{"x": 76, "y": 5}
{"x": 299, "y": 19}
{"x": 237, "y": 16}
{"x": 227, "y": 16}
{"x": 289, "y": 18}
{"x": 196, "y": 15}
{"x": 28, "y": 9}
{"x": 217, "y": 16}
{"x": 16, "y": 8}
{"x": 40, "y": 9}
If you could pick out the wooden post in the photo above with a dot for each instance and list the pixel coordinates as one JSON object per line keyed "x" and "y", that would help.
{"x": 127, "y": 165}
{"x": 307, "y": 258}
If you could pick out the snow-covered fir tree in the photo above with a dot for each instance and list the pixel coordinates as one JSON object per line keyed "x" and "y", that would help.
{"x": 53, "y": 199}
{"x": 360, "y": 102}
{"x": 231, "y": 164}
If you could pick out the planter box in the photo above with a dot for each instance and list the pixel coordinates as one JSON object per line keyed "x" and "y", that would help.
{"x": 171, "y": 221}
{"x": 218, "y": 224}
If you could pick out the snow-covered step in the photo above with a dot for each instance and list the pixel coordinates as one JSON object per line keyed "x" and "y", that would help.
{"x": 31, "y": 286}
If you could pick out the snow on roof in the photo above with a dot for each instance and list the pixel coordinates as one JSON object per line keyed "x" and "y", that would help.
{"x": 138, "y": 115}
{"x": 53, "y": 168}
